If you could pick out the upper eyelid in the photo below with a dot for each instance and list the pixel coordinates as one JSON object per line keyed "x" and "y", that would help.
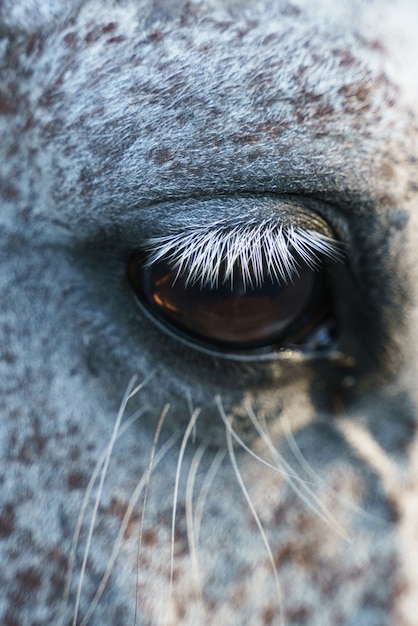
{"x": 208, "y": 254}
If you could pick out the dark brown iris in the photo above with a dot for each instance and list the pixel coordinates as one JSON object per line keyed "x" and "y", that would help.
{"x": 225, "y": 316}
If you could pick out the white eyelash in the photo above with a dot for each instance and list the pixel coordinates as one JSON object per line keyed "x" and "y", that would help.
{"x": 212, "y": 254}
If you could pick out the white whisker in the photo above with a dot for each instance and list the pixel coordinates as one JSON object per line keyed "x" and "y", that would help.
{"x": 292, "y": 443}
{"x": 144, "y": 504}
{"x": 191, "y": 537}
{"x": 206, "y": 485}
{"x": 288, "y": 474}
{"x": 303, "y": 491}
{"x": 105, "y": 466}
{"x": 125, "y": 522}
{"x": 128, "y": 423}
{"x": 186, "y": 436}
{"x": 257, "y": 519}
{"x": 141, "y": 385}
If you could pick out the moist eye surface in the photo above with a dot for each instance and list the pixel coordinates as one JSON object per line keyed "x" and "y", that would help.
{"x": 230, "y": 316}
{"x": 235, "y": 292}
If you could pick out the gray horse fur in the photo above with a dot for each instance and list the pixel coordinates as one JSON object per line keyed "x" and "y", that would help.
{"x": 121, "y": 121}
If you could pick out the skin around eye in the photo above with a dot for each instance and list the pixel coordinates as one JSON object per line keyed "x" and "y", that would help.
{"x": 231, "y": 316}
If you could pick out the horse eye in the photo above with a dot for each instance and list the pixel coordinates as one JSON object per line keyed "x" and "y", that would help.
{"x": 234, "y": 317}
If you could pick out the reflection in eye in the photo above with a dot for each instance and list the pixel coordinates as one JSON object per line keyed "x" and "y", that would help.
{"x": 251, "y": 304}
{"x": 226, "y": 316}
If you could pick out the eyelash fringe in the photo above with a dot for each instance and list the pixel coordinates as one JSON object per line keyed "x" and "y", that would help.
{"x": 210, "y": 255}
